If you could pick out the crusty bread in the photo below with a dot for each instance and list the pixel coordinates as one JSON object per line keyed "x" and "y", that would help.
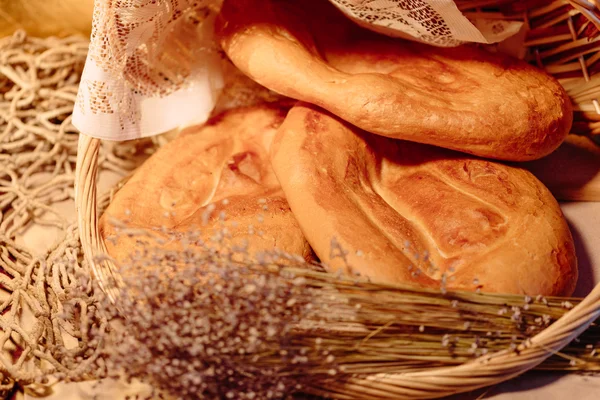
{"x": 225, "y": 165}
{"x": 572, "y": 172}
{"x": 462, "y": 98}
{"x": 408, "y": 212}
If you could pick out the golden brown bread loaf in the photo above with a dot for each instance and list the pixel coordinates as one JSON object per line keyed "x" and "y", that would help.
{"x": 572, "y": 172}
{"x": 408, "y": 212}
{"x": 461, "y": 98}
{"x": 225, "y": 164}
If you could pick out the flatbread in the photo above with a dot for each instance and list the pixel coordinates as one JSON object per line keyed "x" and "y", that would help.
{"x": 220, "y": 167}
{"x": 411, "y": 213}
{"x": 464, "y": 98}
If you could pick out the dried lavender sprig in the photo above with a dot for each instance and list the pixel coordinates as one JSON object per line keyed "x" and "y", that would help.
{"x": 331, "y": 327}
{"x": 207, "y": 327}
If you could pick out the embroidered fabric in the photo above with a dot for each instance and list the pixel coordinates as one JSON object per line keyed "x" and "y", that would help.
{"x": 153, "y": 64}
{"x": 438, "y": 22}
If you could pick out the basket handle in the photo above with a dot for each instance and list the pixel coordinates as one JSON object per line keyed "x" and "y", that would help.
{"x": 86, "y": 203}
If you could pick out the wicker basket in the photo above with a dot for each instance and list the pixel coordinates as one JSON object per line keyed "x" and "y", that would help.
{"x": 563, "y": 37}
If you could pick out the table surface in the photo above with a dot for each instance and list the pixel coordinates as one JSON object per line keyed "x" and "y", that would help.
{"x": 584, "y": 220}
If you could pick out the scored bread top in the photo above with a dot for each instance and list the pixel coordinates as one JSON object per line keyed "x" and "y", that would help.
{"x": 463, "y": 98}
{"x": 223, "y": 165}
{"x": 407, "y": 212}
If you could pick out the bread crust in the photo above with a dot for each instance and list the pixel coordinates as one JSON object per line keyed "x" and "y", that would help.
{"x": 420, "y": 214}
{"x": 224, "y": 165}
{"x": 463, "y": 98}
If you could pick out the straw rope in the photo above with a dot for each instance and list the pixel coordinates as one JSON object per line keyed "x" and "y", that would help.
{"x": 38, "y": 147}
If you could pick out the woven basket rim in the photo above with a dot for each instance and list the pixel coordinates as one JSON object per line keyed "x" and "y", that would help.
{"x": 437, "y": 382}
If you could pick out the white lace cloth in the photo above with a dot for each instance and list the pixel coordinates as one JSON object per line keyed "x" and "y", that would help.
{"x": 153, "y": 65}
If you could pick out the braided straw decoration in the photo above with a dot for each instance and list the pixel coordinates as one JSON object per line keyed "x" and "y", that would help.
{"x": 484, "y": 371}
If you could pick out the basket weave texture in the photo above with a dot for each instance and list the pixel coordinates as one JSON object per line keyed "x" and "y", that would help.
{"x": 563, "y": 37}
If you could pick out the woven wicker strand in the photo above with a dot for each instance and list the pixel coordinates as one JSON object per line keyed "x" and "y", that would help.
{"x": 486, "y": 370}
{"x": 87, "y": 215}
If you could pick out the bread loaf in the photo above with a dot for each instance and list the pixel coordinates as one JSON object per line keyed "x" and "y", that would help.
{"x": 412, "y": 213}
{"x": 223, "y": 166}
{"x": 463, "y": 98}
